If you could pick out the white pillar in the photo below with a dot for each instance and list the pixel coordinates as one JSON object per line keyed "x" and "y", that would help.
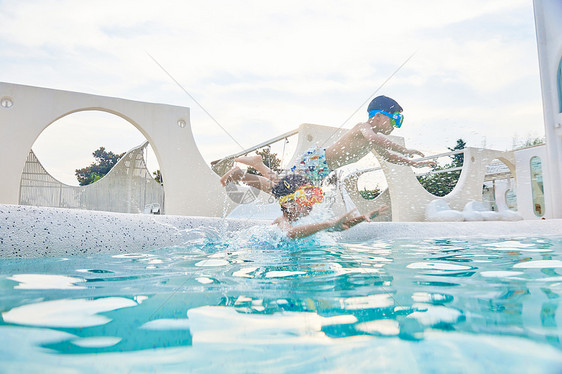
{"x": 548, "y": 20}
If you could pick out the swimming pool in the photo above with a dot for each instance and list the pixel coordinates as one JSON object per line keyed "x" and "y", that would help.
{"x": 237, "y": 303}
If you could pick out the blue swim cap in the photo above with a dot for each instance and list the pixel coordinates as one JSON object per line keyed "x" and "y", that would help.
{"x": 384, "y": 103}
{"x": 289, "y": 185}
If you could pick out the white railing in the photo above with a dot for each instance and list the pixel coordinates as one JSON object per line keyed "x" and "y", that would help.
{"x": 259, "y": 146}
{"x": 431, "y": 157}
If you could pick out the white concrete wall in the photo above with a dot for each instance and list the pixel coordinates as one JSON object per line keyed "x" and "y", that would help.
{"x": 191, "y": 187}
{"x": 409, "y": 198}
{"x": 548, "y": 19}
{"x": 525, "y": 204}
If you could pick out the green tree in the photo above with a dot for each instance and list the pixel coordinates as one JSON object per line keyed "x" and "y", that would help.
{"x": 158, "y": 177}
{"x": 370, "y": 194}
{"x": 458, "y": 159}
{"x": 269, "y": 159}
{"x": 104, "y": 161}
{"x": 442, "y": 184}
{"x": 529, "y": 142}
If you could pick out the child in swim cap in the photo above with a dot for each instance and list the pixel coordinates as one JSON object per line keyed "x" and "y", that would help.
{"x": 316, "y": 163}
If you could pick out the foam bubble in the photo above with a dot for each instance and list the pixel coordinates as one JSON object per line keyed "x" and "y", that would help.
{"x": 212, "y": 262}
{"x": 425, "y": 297}
{"x": 46, "y": 282}
{"x": 66, "y": 313}
{"x": 371, "y": 301}
{"x": 244, "y": 273}
{"x": 539, "y": 264}
{"x": 167, "y": 324}
{"x": 513, "y": 245}
{"x": 280, "y": 274}
{"x": 134, "y": 255}
{"x": 431, "y": 314}
{"x": 437, "y": 266}
{"x": 500, "y": 274}
{"x": 382, "y": 326}
{"x": 204, "y": 280}
{"x": 550, "y": 279}
{"x": 97, "y": 342}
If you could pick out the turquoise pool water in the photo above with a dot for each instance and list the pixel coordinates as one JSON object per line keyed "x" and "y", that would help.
{"x": 230, "y": 305}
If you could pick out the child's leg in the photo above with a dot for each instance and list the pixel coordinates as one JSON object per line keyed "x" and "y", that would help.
{"x": 236, "y": 174}
{"x": 257, "y": 163}
{"x": 233, "y": 175}
{"x": 258, "y": 182}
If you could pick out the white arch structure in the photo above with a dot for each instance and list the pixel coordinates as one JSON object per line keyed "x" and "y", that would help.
{"x": 191, "y": 187}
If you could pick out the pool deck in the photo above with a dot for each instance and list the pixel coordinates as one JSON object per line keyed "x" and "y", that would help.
{"x": 28, "y": 232}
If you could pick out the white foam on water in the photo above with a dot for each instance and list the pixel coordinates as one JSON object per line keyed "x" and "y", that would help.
{"x": 97, "y": 342}
{"x": 244, "y": 273}
{"x": 513, "y": 245}
{"x": 224, "y": 325}
{"x": 371, "y": 301}
{"x": 539, "y": 264}
{"x": 134, "y": 255}
{"x": 167, "y": 324}
{"x": 430, "y": 315}
{"x": 500, "y": 274}
{"x": 550, "y": 279}
{"x": 153, "y": 260}
{"x": 139, "y": 299}
{"x": 46, "y": 282}
{"x": 282, "y": 273}
{"x": 437, "y": 266}
{"x": 66, "y": 312}
{"x": 212, "y": 262}
{"x": 388, "y": 327}
{"x": 423, "y": 297}
{"x": 340, "y": 270}
{"x": 509, "y": 244}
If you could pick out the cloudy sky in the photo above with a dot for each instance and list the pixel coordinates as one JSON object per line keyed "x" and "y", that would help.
{"x": 261, "y": 68}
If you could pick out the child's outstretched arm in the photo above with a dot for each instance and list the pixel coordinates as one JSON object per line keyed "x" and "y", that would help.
{"x": 364, "y": 218}
{"x": 401, "y": 160}
{"x": 302, "y": 231}
{"x": 381, "y": 141}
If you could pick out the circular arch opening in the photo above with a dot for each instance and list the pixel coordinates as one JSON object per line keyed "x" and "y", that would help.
{"x": 498, "y": 191}
{"x": 442, "y": 179}
{"x": 371, "y": 180}
{"x": 68, "y": 143}
{"x": 371, "y": 184}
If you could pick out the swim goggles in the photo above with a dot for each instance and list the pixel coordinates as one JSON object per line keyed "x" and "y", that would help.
{"x": 306, "y": 195}
{"x": 396, "y": 119}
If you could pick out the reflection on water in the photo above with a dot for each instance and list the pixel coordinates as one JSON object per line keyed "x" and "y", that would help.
{"x": 365, "y": 295}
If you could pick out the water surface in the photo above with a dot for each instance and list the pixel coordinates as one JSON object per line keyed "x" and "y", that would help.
{"x": 249, "y": 304}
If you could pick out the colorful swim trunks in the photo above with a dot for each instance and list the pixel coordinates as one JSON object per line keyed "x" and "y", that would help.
{"x": 312, "y": 164}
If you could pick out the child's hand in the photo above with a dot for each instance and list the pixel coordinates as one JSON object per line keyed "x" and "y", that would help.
{"x": 340, "y": 223}
{"x": 421, "y": 164}
{"x": 413, "y": 152}
{"x": 369, "y": 216}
